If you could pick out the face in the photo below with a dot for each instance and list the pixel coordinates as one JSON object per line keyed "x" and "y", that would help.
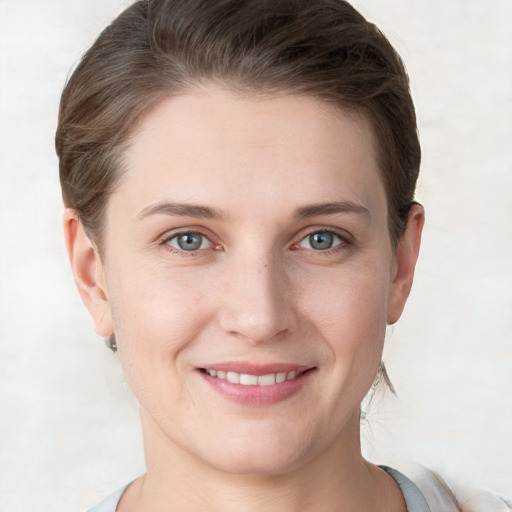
{"x": 249, "y": 276}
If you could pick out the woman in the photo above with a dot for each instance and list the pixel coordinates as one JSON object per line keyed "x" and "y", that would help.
{"x": 239, "y": 180}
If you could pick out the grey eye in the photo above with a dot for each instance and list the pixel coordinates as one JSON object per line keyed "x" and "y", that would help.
{"x": 188, "y": 241}
{"x": 320, "y": 241}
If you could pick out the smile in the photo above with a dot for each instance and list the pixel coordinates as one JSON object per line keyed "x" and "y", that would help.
{"x": 256, "y": 385}
{"x": 254, "y": 380}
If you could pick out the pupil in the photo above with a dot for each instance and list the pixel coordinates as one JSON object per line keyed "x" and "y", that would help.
{"x": 321, "y": 241}
{"x": 189, "y": 242}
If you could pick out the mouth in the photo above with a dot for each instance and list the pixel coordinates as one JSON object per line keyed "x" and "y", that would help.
{"x": 247, "y": 379}
{"x": 256, "y": 385}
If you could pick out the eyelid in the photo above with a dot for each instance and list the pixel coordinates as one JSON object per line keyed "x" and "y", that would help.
{"x": 337, "y": 240}
{"x": 345, "y": 237}
{"x": 167, "y": 237}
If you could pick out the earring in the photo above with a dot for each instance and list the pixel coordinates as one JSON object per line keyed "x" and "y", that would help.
{"x": 110, "y": 342}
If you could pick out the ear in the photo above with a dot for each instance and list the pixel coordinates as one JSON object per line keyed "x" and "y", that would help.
{"x": 405, "y": 263}
{"x": 88, "y": 273}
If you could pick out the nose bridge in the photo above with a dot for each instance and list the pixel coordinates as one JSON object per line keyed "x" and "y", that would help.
{"x": 257, "y": 305}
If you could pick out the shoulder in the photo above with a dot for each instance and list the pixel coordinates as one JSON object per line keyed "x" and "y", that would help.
{"x": 442, "y": 498}
{"x": 110, "y": 503}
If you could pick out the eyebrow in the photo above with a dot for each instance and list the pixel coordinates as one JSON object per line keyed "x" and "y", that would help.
{"x": 206, "y": 212}
{"x": 315, "y": 210}
{"x": 181, "y": 210}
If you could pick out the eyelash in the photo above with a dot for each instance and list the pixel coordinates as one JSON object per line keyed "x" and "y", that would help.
{"x": 165, "y": 242}
{"x": 344, "y": 242}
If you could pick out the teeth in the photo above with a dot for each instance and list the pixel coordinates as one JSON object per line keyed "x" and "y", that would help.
{"x": 233, "y": 377}
{"x": 253, "y": 380}
{"x": 267, "y": 380}
{"x": 248, "y": 380}
{"x": 280, "y": 377}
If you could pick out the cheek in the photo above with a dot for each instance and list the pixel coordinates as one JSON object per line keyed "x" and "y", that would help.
{"x": 156, "y": 319}
{"x": 349, "y": 309}
{"x": 156, "y": 312}
{"x": 354, "y": 297}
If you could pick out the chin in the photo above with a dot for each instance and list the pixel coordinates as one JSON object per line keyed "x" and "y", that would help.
{"x": 255, "y": 464}
{"x": 268, "y": 452}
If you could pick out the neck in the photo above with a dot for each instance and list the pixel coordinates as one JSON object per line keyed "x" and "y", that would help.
{"x": 338, "y": 479}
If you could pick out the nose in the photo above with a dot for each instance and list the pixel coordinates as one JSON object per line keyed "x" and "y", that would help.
{"x": 257, "y": 301}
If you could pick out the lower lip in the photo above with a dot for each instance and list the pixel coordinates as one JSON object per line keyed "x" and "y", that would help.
{"x": 258, "y": 395}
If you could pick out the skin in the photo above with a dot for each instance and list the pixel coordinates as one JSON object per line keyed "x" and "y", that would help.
{"x": 256, "y": 291}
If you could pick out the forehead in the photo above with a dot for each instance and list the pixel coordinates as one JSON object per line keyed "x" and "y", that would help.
{"x": 213, "y": 145}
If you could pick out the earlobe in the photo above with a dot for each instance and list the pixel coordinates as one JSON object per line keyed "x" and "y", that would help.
{"x": 405, "y": 263}
{"x": 87, "y": 270}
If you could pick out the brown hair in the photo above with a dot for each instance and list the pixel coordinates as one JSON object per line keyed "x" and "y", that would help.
{"x": 158, "y": 48}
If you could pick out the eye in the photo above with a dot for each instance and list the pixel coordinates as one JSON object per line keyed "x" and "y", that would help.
{"x": 190, "y": 241}
{"x": 320, "y": 241}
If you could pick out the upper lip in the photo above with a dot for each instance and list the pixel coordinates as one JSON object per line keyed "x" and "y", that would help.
{"x": 257, "y": 369}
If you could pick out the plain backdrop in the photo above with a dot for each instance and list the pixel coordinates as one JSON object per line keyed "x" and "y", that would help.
{"x": 68, "y": 424}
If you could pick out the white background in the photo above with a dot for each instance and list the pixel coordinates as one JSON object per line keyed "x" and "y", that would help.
{"x": 68, "y": 425}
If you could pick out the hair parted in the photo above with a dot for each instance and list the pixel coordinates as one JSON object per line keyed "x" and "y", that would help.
{"x": 159, "y": 48}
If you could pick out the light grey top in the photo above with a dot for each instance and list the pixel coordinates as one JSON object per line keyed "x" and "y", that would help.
{"x": 413, "y": 497}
